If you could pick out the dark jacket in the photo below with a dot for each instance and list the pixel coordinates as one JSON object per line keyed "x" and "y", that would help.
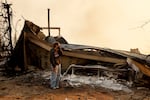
{"x": 52, "y": 57}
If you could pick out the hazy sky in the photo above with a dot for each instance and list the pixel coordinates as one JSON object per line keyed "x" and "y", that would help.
{"x": 104, "y": 23}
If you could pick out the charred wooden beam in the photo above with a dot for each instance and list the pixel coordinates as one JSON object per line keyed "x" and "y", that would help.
{"x": 139, "y": 67}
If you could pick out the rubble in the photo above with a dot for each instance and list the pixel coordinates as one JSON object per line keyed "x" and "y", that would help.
{"x": 32, "y": 49}
{"x": 98, "y": 80}
{"x": 112, "y": 84}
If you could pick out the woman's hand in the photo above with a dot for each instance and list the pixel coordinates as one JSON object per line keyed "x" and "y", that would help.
{"x": 55, "y": 69}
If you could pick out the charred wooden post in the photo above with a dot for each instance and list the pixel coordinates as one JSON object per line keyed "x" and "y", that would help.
{"x": 9, "y": 27}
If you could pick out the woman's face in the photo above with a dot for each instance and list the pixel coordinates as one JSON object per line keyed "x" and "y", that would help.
{"x": 56, "y": 47}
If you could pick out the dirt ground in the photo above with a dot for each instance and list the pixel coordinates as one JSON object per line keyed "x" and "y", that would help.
{"x": 32, "y": 86}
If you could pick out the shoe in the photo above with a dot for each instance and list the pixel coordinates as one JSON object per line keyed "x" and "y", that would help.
{"x": 53, "y": 88}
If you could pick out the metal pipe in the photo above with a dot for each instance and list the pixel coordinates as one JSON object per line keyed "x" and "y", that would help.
{"x": 58, "y": 28}
{"x": 48, "y": 23}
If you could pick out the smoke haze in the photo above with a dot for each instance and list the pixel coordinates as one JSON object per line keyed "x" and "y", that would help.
{"x": 102, "y": 23}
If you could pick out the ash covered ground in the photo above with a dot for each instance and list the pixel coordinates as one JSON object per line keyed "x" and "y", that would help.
{"x": 34, "y": 85}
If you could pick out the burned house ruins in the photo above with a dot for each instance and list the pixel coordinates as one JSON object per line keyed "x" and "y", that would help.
{"x": 32, "y": 49}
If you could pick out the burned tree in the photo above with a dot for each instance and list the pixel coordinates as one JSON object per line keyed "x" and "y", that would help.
{"x": 6, "y": 30}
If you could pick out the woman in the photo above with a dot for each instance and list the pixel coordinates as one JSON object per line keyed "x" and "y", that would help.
{"x": 55, "y": 61}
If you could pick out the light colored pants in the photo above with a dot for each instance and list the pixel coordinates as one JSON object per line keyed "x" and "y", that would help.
{"x": 55, "y": 77}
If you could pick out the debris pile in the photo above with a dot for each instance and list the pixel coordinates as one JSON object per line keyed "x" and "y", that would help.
{"x": 78, "y": 80}
{"x": 32, "y": 49}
